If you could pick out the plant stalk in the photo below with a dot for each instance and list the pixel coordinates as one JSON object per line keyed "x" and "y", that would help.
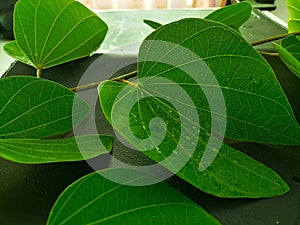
{"x": 121, "y": 79}
{"x": 274, "y": 38}
{"x": 269, "y": 53}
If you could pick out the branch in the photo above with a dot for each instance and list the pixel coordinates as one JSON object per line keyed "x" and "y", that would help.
{"x": 269, "y": 53}
{"x": 274, "y": 38}
{"x": 121, "y": 79}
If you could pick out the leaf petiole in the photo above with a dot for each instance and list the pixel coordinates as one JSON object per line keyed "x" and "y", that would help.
{"x": 274, "y": 38}
{"x": 38, "y": 72}
{"x": 269, "y": 53}
{"x": 121, "y": 79}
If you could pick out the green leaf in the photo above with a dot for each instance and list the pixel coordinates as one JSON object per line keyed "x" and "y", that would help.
{"x": 152, "y": 24}
{"x": 289, "y": 52}
{"x": 169, "y": 113}
{"x": 257, "y": 109}
{"x": 33, "y": 151}
{"x": 233, "y": 15}
{"x": 31, "y": 109}
{"x": 294, "y": 16}
{"x": 96, "y": 200}
{"x": 232, "y": 174}
{"x": 52, "y": 32}
{"x": 13, "y": 49}
{"x": 37, "y": 108}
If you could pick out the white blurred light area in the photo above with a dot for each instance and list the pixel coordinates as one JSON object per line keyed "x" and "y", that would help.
{"x": 152, "y": 4}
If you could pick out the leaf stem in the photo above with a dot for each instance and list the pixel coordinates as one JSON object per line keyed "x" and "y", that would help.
{"x": 121, "y": 79}
{"x": 269, "y": 53}
{"x": 38, "y": 72}
{"x": 274, "y": 38}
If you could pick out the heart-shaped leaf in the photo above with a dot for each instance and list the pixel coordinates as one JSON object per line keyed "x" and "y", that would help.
{"x": 96, "y": 200}
{"x": 32, "y": 108}
{"x": 36, "y": 151}
{"x": 233, "y": 16}
{"x": 289, "y": 52}
{"x": 52, "y": 32}
{"x": 230, "y": 173}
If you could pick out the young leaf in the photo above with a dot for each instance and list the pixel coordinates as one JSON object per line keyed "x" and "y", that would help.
{"x": 152, "y": 24}
{"x": 233, "y": 16}
{"x": 256, "y": 106}
{"x": 96, "y": 200}
{"x": 289, "y": 52}
{"x": 52, "y": 32}
{"x": 232, "y": 174}
{"x": 37, "y": 108}
{"x": 294, "y": 15}
{"x": 36, "y": 151}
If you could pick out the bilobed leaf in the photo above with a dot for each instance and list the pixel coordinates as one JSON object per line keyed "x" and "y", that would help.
{"x": 232, "y": 174}
{"x": 52, "y": 32}
{"x": 31, "y": 109}
{"x": 36, "y": 151}
{"x": 152, "y": 24}
{"x": 294, "y": 16}
{"x": 233, "y": 15}
{"x": 96, "y": 200}
{"x": 289, "y": 52}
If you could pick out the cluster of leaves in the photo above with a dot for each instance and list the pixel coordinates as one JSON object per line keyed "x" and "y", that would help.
{"x": 50, "y": 33}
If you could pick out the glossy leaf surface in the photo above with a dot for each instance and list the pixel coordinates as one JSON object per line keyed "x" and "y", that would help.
{"x": 175, "y": 84}
{"x": 52, "y": 32}
{"x": 36, "y": 151}
{"x": 231, "y": 174}
{"x": 234, "y": 15}
{"x": 96, "y": 200}
{"x": 256, "y": 106}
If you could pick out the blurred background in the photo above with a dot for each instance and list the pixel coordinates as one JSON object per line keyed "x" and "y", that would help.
{"x": 152, "y": 4}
